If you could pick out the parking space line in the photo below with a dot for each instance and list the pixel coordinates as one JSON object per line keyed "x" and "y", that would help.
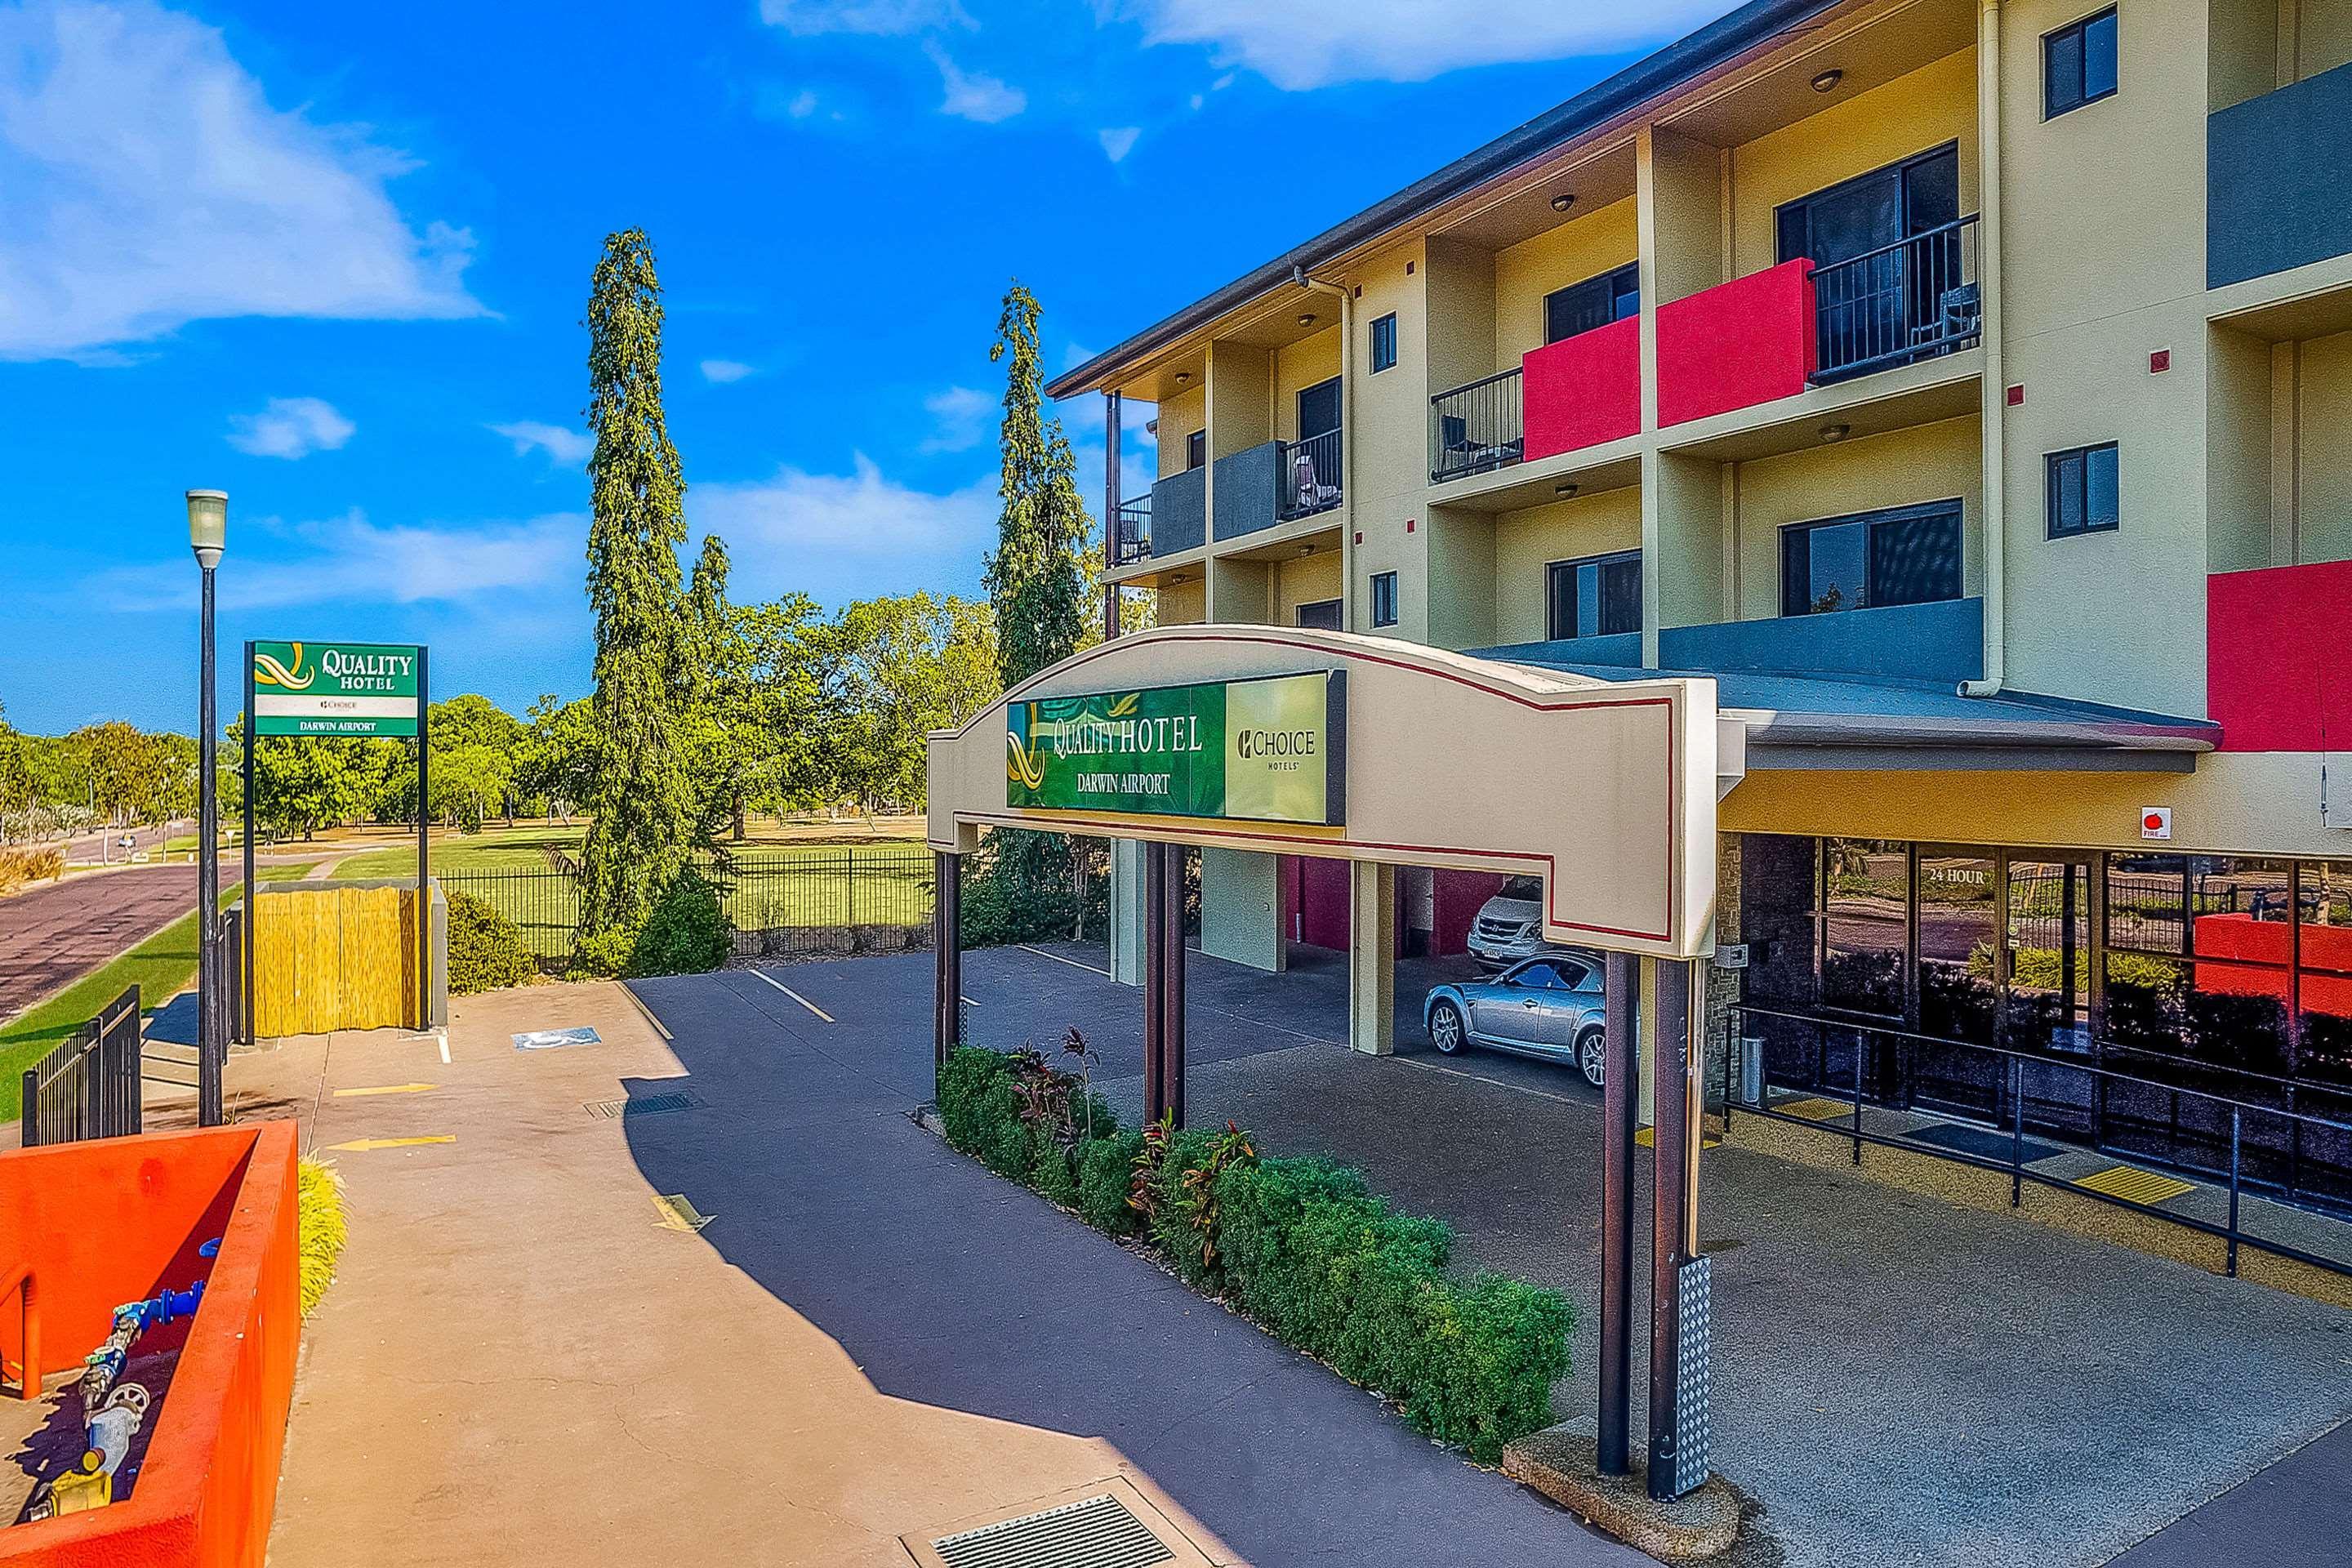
{"x": 795, "y": 995}
{"x": 1058, "y": 958}
{"x": 1495, "y": 1082}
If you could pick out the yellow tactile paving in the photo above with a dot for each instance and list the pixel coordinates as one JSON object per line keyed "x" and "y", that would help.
{"x": 2134, "y": 1185}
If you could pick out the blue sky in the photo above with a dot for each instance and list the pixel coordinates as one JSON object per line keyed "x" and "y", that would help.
{"x": 331, "y": 260}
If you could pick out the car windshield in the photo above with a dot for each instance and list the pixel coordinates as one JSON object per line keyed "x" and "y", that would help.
{"x": 1528, "y": 889}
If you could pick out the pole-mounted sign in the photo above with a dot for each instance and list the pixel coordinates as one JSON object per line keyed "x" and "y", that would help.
{"x": 349, "y": 691}
{"x": 344, "y": 690}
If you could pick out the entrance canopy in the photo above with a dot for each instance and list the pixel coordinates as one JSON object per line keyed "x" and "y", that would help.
{"x": 1326, "y": 743}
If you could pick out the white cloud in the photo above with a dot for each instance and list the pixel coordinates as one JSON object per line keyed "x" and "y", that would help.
{"x": 960, "y": 418}
{"x": 887, "y": 17}
{"x": 145, "y": 182}
{"x": 290, "y": 427}
{"x": 1117, "y": 143}
{"x": 561, "y": 444}
{"x": 1300, "y": 44}
{"x": 350, "y": 558}
{"x": 972, "y": 96}
{"x": 833, "y": 533}
{"x": 802, "y": 104}
{"x": 723, "y": 371}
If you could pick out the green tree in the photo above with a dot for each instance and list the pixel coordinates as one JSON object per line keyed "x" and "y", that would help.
{"x": 1032, "y": 578}
{"x": 639, "y": 803}
{"x": 558, "y": 763}
{"x": 897, "y": 668}
{"x": 1036, "y": 587}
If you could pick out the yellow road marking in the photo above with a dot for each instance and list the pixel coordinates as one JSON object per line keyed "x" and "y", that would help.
{"x": 795, "y": 995}
{"x": 387, "y": 1089}
{"x": 2136, "y": 1186}
{"x": 361, "y": 1145}
{"x": 1647, "y": 1138}
{"x": 678, "y": 1212}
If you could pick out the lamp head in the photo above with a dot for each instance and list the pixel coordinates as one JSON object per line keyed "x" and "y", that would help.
{"x": 208, "y": 525}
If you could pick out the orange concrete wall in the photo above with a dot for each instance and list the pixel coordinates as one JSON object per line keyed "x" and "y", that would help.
{"x": 107, "y": 1221}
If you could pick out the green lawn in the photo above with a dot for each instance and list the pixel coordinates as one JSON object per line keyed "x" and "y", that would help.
{"x": 162, "y": 967}
{"x": 492, "y": 849}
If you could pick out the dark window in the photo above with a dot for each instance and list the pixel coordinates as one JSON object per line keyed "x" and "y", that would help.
{"x": 1593, "y": 597}
{"x": 1384, "y": 598}
{"x": 1541, "y": 976}
{"x": 1196, "y": 449}
{"x": 2081, "y": 487}
{"x": 1322, "y": 615}
{"x": 1595, "y": 302}
{"x": 2078, "y": 63}
{"x": 1318, "y": 409}
{"x": 1872, "y": 211}
{"x": 1910, "y": 555}
{"x": 1384, "y": 343}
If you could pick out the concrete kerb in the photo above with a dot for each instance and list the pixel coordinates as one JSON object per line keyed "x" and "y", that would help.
{"x": 1560, "y": 1463}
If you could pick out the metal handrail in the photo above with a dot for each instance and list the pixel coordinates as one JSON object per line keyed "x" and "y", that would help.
{"x": 2229, "y": 1232}
{"x": 1131, "y": 532}
{"x": 1322, "y": 451}
{"x": 1474, "y": 385}
{"x": 1895, "y": 304}
{"x": 1954, "y": 227}
{"x": 1492, "y": 416}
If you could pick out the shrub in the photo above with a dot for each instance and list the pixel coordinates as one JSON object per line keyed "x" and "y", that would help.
{"x": 1299, "y": 1244}
{"x": 29, "y": 864}
{"x": 1105, "y": 1165}
{"x": 686, "y": 931}
{"x": 485, "y": 950}
{"x": 320, "y": 1228}
{"x": 604, "y": 955}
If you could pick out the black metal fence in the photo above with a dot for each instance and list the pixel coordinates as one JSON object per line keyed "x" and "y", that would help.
{"x": 1476, "y": 426}
{"x": 1308, "y": 474}
{"x": 89, "y": 1086}
{"x": 866, "y": 898}
{"x": 2296, "y": 1155}
{"x": 1898, "y": 303}
{"x": 1130, "y": 535}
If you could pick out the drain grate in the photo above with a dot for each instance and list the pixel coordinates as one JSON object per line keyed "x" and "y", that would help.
{"x": 642, "y": 1105}
{"x": 1094, "y": 1532}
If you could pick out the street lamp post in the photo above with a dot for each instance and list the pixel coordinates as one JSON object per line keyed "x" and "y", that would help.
{"x": 207, "y": 536}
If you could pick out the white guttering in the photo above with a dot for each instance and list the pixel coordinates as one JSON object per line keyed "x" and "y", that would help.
{"x": 1993, "y": 395}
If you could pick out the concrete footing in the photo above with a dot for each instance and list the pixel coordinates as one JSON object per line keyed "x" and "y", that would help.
{"x": 1560, "y": 1462}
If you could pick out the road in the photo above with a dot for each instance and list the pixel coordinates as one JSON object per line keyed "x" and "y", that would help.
{"x": 107, "y": 846}
{"x": 50, "y": 935}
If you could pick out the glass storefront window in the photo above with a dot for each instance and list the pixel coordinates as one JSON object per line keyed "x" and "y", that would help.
{"x": 2324, "y": 944}
{"x": 2240, "y": 935}
{"x": 2048, "y": 1005}
{"x": 1959, "y": 935}
{"x": 1866, "y": 943}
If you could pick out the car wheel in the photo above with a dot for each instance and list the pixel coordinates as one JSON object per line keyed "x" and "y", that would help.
{"x": 1592, "y": 1056}
{"x": 1446, "y": 1031}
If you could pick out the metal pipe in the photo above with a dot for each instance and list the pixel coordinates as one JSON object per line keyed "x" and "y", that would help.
{"x": 1111, "y": 512}
{"x": 1155, "y": 981}
{"x": 1620, "y": 1087}
{"x": 211, "y": 1057}
{"x": 1672, "y": 1172}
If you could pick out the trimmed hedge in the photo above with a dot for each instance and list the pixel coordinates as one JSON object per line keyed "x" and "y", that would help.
{"x": 1303, "y": 1248}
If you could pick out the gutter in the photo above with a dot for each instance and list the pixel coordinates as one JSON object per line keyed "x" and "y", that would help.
{"x": 1655, "y": 75}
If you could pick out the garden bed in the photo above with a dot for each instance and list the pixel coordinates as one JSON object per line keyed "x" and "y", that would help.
{"x": 1299, "y": 1245}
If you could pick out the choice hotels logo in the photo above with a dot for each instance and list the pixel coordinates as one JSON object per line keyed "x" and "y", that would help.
{"x": 267, "y": 672}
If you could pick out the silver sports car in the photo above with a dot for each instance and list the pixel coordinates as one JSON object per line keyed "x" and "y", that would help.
{"x": 1549, "y": 1007}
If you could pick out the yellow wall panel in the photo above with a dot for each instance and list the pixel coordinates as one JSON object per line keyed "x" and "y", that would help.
{"x": 1600, "y": 241}
{"x": 1528, "y": 542}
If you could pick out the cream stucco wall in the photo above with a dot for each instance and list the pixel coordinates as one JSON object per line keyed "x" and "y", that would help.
{"x": 1599, "y": 241}
{"x": 1182, "y": 604}
{"x": 1179, "y": 416}
{"x": 1301, "y": 366}
{"x": 1902, "y": 467}
{"x": 1307, "y": 580}
{"x": 1390, "y": 438}
{"x": 1526, "y": 542}
{"x": 2318, "y": 375}
{"x": 1913, "y": 113}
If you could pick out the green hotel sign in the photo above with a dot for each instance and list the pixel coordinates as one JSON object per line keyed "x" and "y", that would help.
{"x": 335, "y": 689}
{"x": 1273, "y": 748}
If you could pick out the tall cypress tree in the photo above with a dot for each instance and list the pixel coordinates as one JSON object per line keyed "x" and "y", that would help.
{"x": 1034, "y": 580}
{"x": 640, "y": 804}
{"x": 1037, "y": 588}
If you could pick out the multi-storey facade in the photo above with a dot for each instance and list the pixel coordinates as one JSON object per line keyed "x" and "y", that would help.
{"x": 1917, "y": 369}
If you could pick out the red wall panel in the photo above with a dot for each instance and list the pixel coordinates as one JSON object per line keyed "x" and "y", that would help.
{"x": 1318, "y": 889}
{"x": 1584, "y": 390}
{"x": 2278, "y": 663}
{"x": 1459, "y": 896}
{"x": 1737, "y": 344}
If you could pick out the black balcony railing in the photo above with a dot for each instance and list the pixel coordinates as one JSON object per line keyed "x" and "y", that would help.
{"x": 1477, "y": 428}
{"x": 1898, "y": 303}
{"x": 1130, "y": 535}
{"x": 1307, "y": 472}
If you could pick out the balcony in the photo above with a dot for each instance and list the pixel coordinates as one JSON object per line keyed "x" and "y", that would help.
{"x": 1308, "y": 472}
{"x": 1476, "y": 428}
{"x": 1130, "y": 532}
{"x": 1584, "y": 390}
{"x": 1743, "y": 343}
{"x": 1180, "y": 512}
{"x": 2274, "y": 180}
{"x": 1899, "y": 303}
{"x": 1248, "y": 491}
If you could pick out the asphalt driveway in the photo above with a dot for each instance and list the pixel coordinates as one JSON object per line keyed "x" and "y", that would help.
{"x": 1899, "y": 1381}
